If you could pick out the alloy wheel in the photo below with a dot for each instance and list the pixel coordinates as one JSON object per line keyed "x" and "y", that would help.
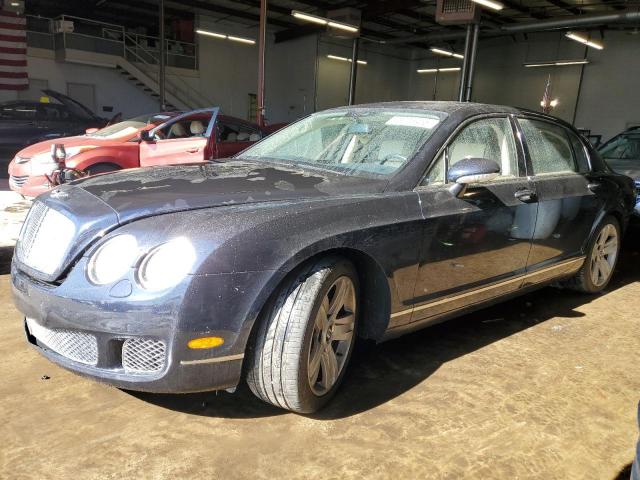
{"x": 604, "y": 255}
{"x": 333, "y": 335}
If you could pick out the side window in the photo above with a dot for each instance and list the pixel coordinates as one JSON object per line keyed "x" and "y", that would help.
{"x": 549, "y": 147}
{"x": 18, "y": 111}
{"x": 189, "y": 127}
{"x": 580, "y": 153}
{"x": 490, "y": 138}
{"x": 622, "y": 147}
{"x": 49, "y": 112}
{"x": 236, "y": 132}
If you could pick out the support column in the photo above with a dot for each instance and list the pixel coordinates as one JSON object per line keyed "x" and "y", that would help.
{"x": 472, "y": 62}
{"x": 354, "y": 71}
{"x": 465, "y": 63}
{"x": 162, "y": 60}
{"x": 262, "y": 47}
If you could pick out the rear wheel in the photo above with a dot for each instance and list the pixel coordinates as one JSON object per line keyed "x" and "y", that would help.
{"x": 306, "y": 336}
{"x": 602, "y": 256}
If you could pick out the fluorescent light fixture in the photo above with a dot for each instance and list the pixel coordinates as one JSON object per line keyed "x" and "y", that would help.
{"x": 445, "y": 53}
{"x": 345, "y": 59}
{"x": 584, "y": 40}
{"x": 308, "y": 17}
{"x": 558, "y": 63}
{"x": 207, "y": 33}
{"x": 434, "y": 70}
{"x": 241, "y": 40}
{"x": 343, "y": 26}
{"x": 211, "y": 34}
{"x": 489, "y": 4}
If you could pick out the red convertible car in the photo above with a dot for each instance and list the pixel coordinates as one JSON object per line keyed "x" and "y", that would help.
{"x": 163, "y": 138}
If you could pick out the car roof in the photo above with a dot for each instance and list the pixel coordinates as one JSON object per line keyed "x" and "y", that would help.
{"x": 462, "y": 110}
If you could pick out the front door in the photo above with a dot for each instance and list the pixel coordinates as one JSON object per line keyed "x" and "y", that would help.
{"x": 183, "y": 139}
{"x": 567, "y": 192}
{"x": 475, "y": 245}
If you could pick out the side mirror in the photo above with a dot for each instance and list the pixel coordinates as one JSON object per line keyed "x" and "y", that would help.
{"x": 145, "y": 136}
{"x": 471, "y": 170}
{"x": 89, "y": 131}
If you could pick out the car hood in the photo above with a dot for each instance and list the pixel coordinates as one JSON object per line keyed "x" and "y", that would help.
{"x": 144, "y": 192}
{"x": 45, "y": 147}
{"x": 630, "y": 168}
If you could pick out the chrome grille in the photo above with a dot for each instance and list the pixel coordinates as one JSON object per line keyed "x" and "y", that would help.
{"x": 78, "y": 346}
{"x": 143, "y": 355}
{"x": 18, "y": 180}
{"x": 30, "y": 230}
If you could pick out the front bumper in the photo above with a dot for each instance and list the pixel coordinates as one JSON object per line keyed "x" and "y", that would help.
{"x": 22, "y": 182}
{"x": 76, "y": 307}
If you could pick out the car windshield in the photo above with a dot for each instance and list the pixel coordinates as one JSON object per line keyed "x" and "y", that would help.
{"x": 359, "y": 142}
{"x": 622, "y": 147}
{"x": 131, "y": 126}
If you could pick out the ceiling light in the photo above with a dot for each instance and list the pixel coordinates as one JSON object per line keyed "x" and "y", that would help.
{"x": 558, "y": 63}
{"x": 308, "y": 17}
{"x": 345, "y": 59}
{"x": 210, "y": 34}
{"x": 343, "y": 26}
{"x": 242, "y": 40}
{"x": 446, "y": 53}
{"x": 207, "y": 33}
{"x": 489, "y": 4}
{"x": 434, "y": 70}
{"x": 584, "y": 40}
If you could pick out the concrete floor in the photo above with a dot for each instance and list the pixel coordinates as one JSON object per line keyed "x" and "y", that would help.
{"x": 544, "y": 386}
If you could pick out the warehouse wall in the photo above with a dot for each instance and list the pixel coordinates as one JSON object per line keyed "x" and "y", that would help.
{"x": 609, "y": 99}
{"x": 300, "y": 77}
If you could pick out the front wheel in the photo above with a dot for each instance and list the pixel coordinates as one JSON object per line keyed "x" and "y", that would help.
{"x": 602, "y": 256}
{"x": 305, "y": 338}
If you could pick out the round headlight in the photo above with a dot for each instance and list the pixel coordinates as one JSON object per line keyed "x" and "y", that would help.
{"x": 167, "y": 264}
{"x": 112, "y": 260}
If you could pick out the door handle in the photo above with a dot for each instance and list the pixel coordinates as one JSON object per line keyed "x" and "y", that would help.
{"x": 594, "y": 186}
{"x": 526, "y": 196}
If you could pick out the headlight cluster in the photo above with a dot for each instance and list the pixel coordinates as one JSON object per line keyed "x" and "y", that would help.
{"x": 162, "y": 267}
{"x": 44, "y": 164}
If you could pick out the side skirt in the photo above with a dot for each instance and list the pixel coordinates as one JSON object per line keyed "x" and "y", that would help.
{"x": 444, "y": 309}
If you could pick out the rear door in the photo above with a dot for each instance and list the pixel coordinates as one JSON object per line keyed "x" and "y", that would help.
{"x": 568, "y": 193}
{"x": 183, "y": 139}
{"x": 232, "y": 137}
{"x": 475, "y": 246}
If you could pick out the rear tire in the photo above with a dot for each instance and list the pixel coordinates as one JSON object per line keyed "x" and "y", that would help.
{"x": 602, "y": 255}
{"x": 305, "y": 337}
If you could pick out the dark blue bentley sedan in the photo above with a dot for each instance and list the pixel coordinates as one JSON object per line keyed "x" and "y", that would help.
{"x": 359, "y": 222}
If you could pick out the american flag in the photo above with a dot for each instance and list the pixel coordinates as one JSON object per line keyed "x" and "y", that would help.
{"x": 13, "y": 51}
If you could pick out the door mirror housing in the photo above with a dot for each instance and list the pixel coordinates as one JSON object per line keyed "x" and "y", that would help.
{"x": 145, "y": 136}
{"x": 471, "y": 170}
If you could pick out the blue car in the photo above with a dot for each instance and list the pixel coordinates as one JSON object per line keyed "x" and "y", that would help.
{"x": 622, "y": 154}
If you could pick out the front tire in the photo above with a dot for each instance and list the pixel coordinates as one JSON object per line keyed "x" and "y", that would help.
{"x": 602, "y": 255}
{"x": 305, "y": 338}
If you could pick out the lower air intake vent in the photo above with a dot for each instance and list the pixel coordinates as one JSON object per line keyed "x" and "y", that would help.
{"x": 143, "y": 355}
{"x": 74, "y": 345}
